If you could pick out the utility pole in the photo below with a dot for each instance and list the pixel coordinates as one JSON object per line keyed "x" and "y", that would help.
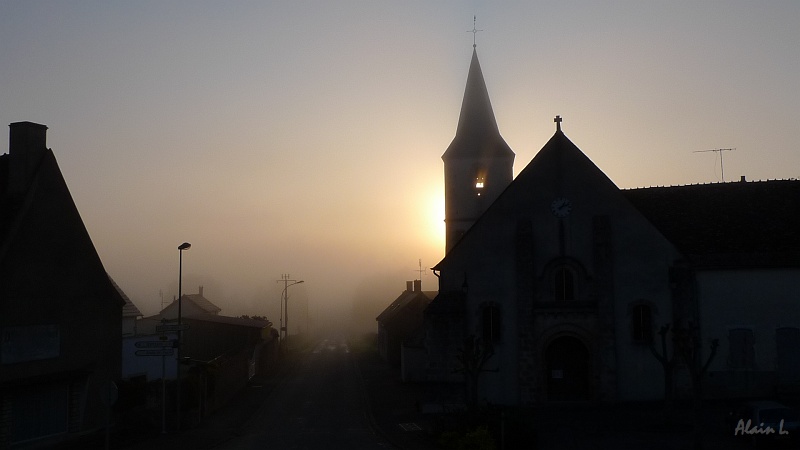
{"x": 287, "y": 281}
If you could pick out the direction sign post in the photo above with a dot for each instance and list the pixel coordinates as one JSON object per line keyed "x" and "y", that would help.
{"x": 171, "y": 327}
{"x": 155, "y": 344}
{"x": 155, "y": 352}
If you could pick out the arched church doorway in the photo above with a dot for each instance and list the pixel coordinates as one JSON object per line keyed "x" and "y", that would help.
{"x": 568, "y": 370}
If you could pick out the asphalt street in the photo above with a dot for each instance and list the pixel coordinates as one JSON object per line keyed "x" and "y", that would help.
{"x": 321, "y": 405}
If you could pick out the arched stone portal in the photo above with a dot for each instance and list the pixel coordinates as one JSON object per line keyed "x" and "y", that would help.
{"x": 568, "y": 370}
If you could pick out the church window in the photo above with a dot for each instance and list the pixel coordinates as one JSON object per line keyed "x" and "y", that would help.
{"x": 741, "y": 343}
{"x": 490, "y": 321}
{"x": 642, "y": 324}
{"x": 480, "y": 182}
{"x": 564, "y": 285}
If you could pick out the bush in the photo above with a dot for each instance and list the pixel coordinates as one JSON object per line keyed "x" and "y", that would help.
{"x": 477, "y": 439}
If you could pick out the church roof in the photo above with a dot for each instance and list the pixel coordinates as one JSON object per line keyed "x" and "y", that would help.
{"x": 477, "y": 133}
{"x": 713, "y": 223}
{"x": 738, "y": 224}
{"x": 553, "y": 160}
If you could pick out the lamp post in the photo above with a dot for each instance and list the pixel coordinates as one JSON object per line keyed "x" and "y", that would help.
{"x": 181, "y": 248}
{"x": 285, "y": 303}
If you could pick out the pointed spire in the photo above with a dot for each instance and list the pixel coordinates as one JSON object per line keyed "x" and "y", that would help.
{"x": 476, "y": 108}
{"x": 477, "y": 128}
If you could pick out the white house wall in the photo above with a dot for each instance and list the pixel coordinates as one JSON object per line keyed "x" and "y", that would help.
{"x": 760, "y": 300}
{"x": 133, "y": 365}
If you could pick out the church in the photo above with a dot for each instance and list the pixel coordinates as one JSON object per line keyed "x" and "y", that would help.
{"x": 557, "y": 282}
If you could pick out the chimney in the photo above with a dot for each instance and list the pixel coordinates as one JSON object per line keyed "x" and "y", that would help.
{"x": 201, "y": 291}
{"x": 408, "y": 286}
{"x": 417, "y": 285}
{"x": 27, "y": 143}
{"x": 744, "y": 179}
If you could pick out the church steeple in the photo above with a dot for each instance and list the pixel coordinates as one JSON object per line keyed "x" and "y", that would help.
{"x": 478, "y": 164}
{"x": 477, "y": 133}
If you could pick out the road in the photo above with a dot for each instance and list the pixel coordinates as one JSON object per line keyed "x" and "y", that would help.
{"x": 320, "y": 405}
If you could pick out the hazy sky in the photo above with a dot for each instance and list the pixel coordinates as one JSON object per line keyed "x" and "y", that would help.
{"x": 305, "y": 137}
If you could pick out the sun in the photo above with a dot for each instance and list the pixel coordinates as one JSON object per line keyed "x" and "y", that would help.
{"x": 435, "y": 220}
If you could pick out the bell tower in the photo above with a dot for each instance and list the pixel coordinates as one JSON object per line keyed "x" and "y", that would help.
{"x": 478, "y": 164}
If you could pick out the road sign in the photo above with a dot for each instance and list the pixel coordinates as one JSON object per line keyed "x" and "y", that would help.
{"x": 155, "y": 344}
{"x": 172, "y": 327}
{"x": 155, "y": 352}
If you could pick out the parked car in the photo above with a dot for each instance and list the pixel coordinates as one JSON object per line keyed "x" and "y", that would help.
{"x": 766, "y": 422}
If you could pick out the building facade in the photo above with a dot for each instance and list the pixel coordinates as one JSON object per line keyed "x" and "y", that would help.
{"x": 59, "y": 311}
{"x": 563, "y": 280}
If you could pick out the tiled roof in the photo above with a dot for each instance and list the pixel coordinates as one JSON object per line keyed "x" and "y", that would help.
{"x": 202, "y": 303}
{"x": 447, "y": 303}
{"x": 400, "y": 302}
{"x": 129, "y": 310}
{"x": 719, "y": 221}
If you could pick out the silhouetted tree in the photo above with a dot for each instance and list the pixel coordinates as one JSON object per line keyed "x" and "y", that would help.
{"x": 473, "y": 356}
{"x": 245, "y": 316}
{"x": 689, "y": 346}
{"x": 667, "y": 363}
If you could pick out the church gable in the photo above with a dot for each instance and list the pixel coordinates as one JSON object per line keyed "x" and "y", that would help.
{"x": 560, "y": 194}
{"x": 562, "y": 254}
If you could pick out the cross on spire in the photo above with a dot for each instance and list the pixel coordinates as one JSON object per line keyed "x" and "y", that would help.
{"x": 474, "y": 31}
{"x": 557, "y": 120}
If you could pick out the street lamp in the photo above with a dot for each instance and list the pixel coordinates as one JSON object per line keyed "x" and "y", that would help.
{"x": 181, "y": 248}
{"x": 285, "y": 303}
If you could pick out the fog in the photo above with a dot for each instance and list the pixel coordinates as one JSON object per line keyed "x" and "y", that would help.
{"x": 284, "y": 138}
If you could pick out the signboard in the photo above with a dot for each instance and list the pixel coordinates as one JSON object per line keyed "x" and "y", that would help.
{"x": 171, "y": 327}
{"x": 155, "y": 352}
{"x": 31, "y": 343}
{"x": 155, "y": 344}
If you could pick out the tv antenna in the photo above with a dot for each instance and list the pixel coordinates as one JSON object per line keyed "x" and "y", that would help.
{"x": 420, "y": 270}
{"x": 718, "y": 151}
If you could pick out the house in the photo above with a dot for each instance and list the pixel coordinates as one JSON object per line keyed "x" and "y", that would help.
{"x": 191, "y": 304}
{"x": 59, "y": 311}
{"x": 222, "y": 354}
{"x": 401, "y": 319}
{"x": 557, "y": 286}
{"x": 147, "y": 329}
{"x": 219, "y": 354}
